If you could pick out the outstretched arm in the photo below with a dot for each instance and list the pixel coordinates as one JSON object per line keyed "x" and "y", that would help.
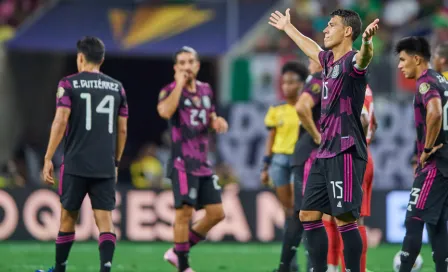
{"x": 307, "y": 45}
{"x": 365, "y": 55}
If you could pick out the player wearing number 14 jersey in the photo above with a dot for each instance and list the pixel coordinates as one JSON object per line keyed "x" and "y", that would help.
{"x": 428, "y": 201}
{"x": 188, "y": 105}
{"x": 92, "y": 114}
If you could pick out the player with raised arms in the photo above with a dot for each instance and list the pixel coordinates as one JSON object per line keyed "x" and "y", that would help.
{"x": 335, "y": 179}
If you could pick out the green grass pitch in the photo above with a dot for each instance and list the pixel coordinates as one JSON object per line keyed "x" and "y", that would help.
{"x": 207, "y": 257}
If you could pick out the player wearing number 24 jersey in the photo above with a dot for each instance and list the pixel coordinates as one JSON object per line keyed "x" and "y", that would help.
{"x": 92, "y": 115}
{"x": 428, "y": 201}
{"x": 188, "y": 105}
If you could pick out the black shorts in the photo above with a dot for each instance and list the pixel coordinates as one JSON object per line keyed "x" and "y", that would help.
{"x": 73, "y": 189}
{"x": 297, "y": 174}
{"x": 195, "y": 191}
{"x": 429, "y": 197}
{"x": 334, "y": 185}
{"x": 300, "y": 177}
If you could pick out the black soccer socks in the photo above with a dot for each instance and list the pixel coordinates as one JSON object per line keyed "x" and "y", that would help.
{"x": 106, "y": 242}
{"x": 291, "y": 240}
{"x": 317, "y": 244}
{"x": 182, "y": 251}
{"x": 352, "y": 246}
{"x": 439, "y": 241}
{"x": 195, "y": 238}
{"x": 64, "y": 243}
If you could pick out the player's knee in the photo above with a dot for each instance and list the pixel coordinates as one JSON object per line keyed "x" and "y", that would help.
{"x": 306, "y": 216}
{"x": 345, "y": 219}
{"x": 103, "y": 220}
{"x": 216, "y": 214}
{"x": 413, "y": 226}
{"x": 68, "y": 220}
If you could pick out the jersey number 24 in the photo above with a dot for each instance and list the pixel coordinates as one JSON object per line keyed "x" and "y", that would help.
{"x": 106, "y": 106}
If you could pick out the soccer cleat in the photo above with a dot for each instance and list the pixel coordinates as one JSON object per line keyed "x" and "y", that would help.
{"x": 189, "y": 270}
{"x": 171, "y": 257}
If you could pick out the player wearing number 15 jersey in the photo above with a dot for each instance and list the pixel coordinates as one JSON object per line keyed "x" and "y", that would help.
{"x": 188, "y": 105}
{"x": 428, "y": 201}
{"x": 92, "y": 113}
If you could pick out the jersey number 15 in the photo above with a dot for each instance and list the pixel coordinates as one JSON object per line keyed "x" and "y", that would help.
{"x": 106, "y": 106}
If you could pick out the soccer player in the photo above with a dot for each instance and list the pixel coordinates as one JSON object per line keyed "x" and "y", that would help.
{"x": 428, "y": 201}
{"x": 335, "y": 179}
{"x": 92, "y": 114}
{"x": 441, "y": 59}
{"x": 283, "y": 124}
{"x": 188, "y": 105}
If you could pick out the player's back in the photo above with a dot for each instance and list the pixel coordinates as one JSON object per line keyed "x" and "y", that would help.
{"x": 432, "y": 85}
{"x": 96, "y": 100}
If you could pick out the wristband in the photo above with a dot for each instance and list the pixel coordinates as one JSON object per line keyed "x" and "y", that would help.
{"x": 428, "y": 150}
{"x": 117, "y": 163}
{"x": 267, "y": 160}
{"x": 367, "y": 42}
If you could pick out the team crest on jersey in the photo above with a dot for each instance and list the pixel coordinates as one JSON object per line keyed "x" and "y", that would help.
{"x": 315, "y": 88}
{"x": 162, "y": 94}
{"x": 187, "y": 102}
{"x": 206, "y": 102}
{"x": 60, "y": 92}
{"x": 423, "y": 88}
{"x": 335, "y": 72}
{"x": 197, "y": 101}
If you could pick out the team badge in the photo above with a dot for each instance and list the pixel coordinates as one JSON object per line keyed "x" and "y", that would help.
{"x": 206, "y": 102}
{"x": 60, "y": 92}
{"x": 162, "y": 94}
{"x": 315, "y": 88}
{"x": 335, "y": 72}
{"x": 423, "y": 88}
{"x": 197, "y": 101}
{"x": 187, "y": 102}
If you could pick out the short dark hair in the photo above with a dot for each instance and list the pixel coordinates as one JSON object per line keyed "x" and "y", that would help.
{"x": 414, "y": 45}
{"x": 350, "y": 18}
{"x": 442, "y": 50}
{"x": 93, "y": 49}
{"x": 297, "y": 68}
{"x": 185, "y": 49}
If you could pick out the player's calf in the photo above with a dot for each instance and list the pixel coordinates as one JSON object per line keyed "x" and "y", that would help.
{"x": 317, "y": 239}
{"x": 65, "y": 239}
{"x": 181, "y": 236}
{"x": 348, "y": 228}
{"x": 107, "y": 239}
{"x": 412, "y": 243}
{"x": 439, "y": 241}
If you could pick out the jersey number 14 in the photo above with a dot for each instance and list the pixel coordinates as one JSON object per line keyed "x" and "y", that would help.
{"x": 106, "y": 106}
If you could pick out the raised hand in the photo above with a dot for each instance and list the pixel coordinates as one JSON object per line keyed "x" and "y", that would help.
{"x": 279, "y": 21}
{"x": 370, "y": 30}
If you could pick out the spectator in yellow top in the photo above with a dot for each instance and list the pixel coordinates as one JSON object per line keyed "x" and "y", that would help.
{"x": 146, "y": 170}
{"x": 283, "y": 124}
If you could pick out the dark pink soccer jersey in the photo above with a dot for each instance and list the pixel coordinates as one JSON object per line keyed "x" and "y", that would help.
{"x": 189, "y": 127}
{"x": 343, "y": 94}
{"x": 96, "y": 100}
{"x": 431, "y": 85}
{"x": 305, "y": 145}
